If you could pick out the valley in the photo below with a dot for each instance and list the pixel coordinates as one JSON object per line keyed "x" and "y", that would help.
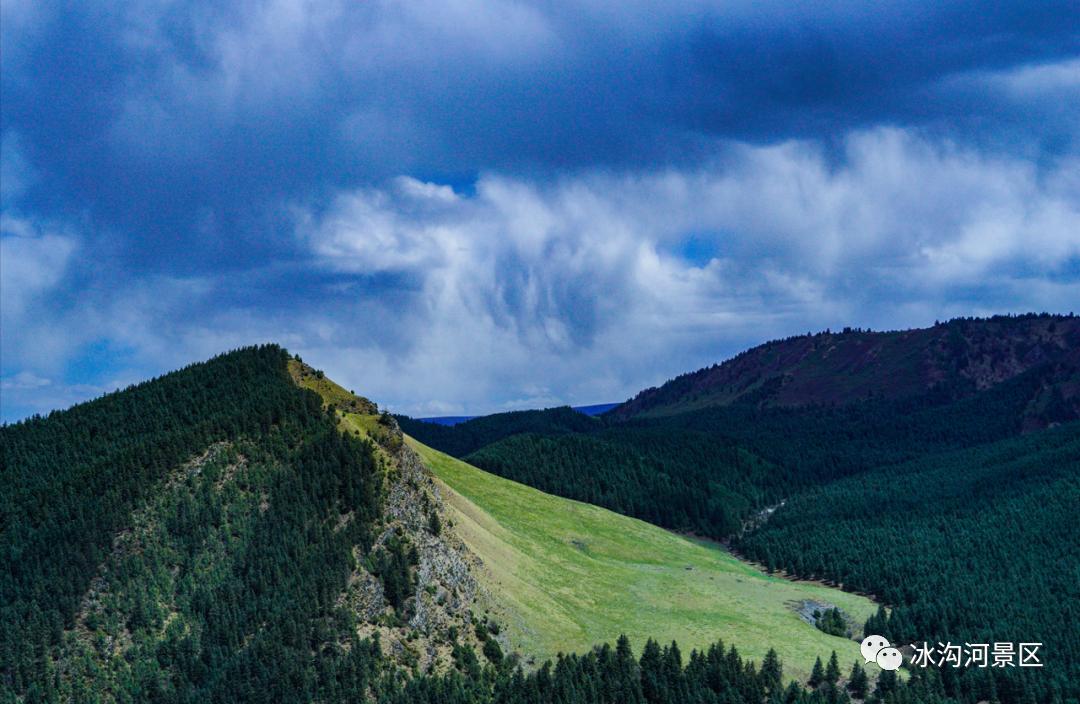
{"x": 565, "y": 576}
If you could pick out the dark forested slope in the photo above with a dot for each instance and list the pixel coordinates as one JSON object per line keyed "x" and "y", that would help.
{"x": 461, "y": 439}
{"x": 684, "y": 480}
{"x": 176, "y": 541}
{"x": 706, "y": 470}
{"x": 978, "y": 545}
{"x": 962, "y": 356}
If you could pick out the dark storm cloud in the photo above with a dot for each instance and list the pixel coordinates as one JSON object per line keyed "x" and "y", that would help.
{"x": 183, "y": 124}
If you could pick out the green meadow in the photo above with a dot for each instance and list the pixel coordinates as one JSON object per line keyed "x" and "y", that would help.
{"x": 565, "y": 575}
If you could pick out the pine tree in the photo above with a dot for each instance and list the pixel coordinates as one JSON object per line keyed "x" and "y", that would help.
{"x": 492, "y": 651}
{"x": 817, "y": 676}
{"x": 858, "y": 683}
{"x": 877, "y": 624}
{"x": 832, "y": 671}
{"x": 772, "y": 672}
{"x": 627, "y": 685}
{"x": 886, "y": 683}
{"x": 651, "y": 671}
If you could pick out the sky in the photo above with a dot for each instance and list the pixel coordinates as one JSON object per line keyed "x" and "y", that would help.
{"x": 469, "y": 206}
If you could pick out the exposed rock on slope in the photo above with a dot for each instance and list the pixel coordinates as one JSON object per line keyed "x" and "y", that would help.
{"x": 443, "y": 601}
{"x": 445, "y": 593}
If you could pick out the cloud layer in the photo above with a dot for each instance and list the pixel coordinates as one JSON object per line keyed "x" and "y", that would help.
{"x": 469, "y": 206}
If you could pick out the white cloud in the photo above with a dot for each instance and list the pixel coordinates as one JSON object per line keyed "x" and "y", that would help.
{"x": 577, "y": 286}
{"x": 526, "y": 293}
{"x": 31, "y": 263}
{"x": 24, "y": 380}
{"x": 1059, "y": 78}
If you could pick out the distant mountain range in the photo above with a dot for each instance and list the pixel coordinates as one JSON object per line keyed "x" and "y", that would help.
{"x": 960, "y": 357}
{"x": 593, "y": 410}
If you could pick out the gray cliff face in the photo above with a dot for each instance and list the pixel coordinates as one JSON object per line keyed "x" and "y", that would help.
{"x": 447, "y": 597}
{"x": 445, "y": 583}
{"x": 446, "y": 603}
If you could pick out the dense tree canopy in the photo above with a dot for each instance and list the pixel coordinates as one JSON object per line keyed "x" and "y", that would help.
{"x": 974, "y": 546}
{"x": 190, "y": 525}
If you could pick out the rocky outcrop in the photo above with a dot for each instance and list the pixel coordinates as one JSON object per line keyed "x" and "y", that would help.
{"x": 444, "y": 603}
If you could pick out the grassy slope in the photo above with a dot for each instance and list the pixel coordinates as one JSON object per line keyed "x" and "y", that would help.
{"x": 566, "y": 575}
{"x": 331, "y": 392}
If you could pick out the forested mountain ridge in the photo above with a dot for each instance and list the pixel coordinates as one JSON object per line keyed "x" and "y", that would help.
{"x": 218, "y": 532}
{"x": 415, "y": 588}
{"x": 962, "y": 356}
{"x": 705, "y": 471}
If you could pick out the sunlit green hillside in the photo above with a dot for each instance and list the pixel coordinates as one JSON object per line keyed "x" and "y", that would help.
{"x": 565, "y": 575}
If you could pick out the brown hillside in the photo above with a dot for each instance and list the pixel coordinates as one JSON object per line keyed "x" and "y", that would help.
{"x": 963, "y": 355}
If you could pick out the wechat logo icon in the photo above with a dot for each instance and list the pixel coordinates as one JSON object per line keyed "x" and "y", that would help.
{"x": 877, "y": 649}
